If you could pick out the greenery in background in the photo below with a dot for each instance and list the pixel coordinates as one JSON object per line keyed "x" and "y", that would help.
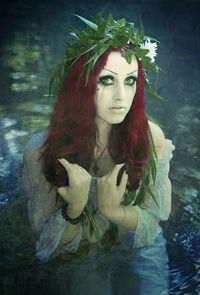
{"x": 30, "y": 62}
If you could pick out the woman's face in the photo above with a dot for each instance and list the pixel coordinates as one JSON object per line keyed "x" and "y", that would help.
{"x": 116, "y": 87}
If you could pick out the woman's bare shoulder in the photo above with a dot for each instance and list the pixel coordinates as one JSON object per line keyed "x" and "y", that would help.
{"x": 158, "y": 137}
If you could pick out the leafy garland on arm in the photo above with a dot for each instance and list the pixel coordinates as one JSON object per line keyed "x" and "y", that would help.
{"x": 93, "y": 41}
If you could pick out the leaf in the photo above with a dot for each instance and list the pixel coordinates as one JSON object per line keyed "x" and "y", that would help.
{"x": 96, "y": 56}
{"x": 99, "y": 16}
{"x": 104, "y": 40}
{"x": 119, "y": 39}
{"x": 156, "y": 81}
{"x": 73, "y": 35}
{"x": 89, "y": 23}
{"x": 91, "y": 230}
{"x": 148, "y": 65}
{"x": 74, "y": 30}
{"x": 128, "y": 55}
{"x": 141, "y": 30}
{"x": 154, "y": 94}
{"x": 92, "y": 61}
{"x": 122, "y": 22}
{"x": 151, "y": 38}
{"x": 89, "y": 49}
{"x": 68, "y": 44}
{"x": 130, "y": 197}
{"x": 140, "y": 52}
{"x": 56, "y": 76}
{"x": 150, "y": 118}
{"x": 100, "y": 218}
{"x": 152, "y": 163}
{"x": 152, "y": 195}
{"x": 110, "y": 21}
{"x": 88, "y": 73}
{"x": 131, "y": 24}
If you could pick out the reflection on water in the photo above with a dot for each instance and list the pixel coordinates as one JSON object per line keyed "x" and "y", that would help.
{"x": 29, "y": 59}
{"x": 10, "y": 137}
{"x": 7, "y": 122}
{"x": 29, "y": 62}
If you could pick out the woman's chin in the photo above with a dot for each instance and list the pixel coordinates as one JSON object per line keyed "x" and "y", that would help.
{"x": 111, "y": 120}
{"x": 117, "y": 120}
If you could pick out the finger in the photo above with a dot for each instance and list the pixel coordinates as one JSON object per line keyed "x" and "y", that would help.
{"x": 116, "y": 170}
{"x": 106, "y": 175}
{"x": 67, "y": 165}
{"x": 123, "y": 183}
{"x": 69, "y": 168}
{"x": 62, "y": 190}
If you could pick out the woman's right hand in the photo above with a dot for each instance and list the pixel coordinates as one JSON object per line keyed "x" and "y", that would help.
{"x": 76, "y": 194}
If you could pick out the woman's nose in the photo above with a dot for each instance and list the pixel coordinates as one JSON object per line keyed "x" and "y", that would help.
{"x": 119, "y": 93}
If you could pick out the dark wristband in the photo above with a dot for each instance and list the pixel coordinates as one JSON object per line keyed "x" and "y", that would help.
{"x": 71, "y": 220}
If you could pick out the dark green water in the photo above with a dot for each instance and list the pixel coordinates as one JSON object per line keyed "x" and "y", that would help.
{"x": 32, "y": 43}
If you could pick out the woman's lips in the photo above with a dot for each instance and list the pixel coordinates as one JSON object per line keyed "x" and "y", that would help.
{"x": 117, "y": 110}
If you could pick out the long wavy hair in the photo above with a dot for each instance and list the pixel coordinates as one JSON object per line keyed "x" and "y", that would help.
{"x": 73, "y": 132}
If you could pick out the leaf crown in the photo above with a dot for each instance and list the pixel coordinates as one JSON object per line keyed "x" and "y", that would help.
{"x": 96, "y": 38}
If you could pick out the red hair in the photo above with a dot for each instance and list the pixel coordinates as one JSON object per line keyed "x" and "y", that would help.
{"x": 72, "y": 133}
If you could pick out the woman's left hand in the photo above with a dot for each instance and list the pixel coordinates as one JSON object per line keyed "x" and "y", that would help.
{"x": 109, "y": 195}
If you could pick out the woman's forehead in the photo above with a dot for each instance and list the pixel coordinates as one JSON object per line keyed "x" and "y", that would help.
{"x": 117, "y": 64}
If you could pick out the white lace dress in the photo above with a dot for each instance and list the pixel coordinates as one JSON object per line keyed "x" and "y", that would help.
{"x": 46, "y": 218}
{"x": 137, "y": 265}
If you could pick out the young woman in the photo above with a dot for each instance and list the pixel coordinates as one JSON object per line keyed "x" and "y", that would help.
{"x": 90, "y": 187}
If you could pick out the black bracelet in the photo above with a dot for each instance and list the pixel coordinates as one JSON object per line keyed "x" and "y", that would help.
{"x": 71, "y": 220}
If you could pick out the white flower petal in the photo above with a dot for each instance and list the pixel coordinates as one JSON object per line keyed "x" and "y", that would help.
{"x": 152, "y": 47}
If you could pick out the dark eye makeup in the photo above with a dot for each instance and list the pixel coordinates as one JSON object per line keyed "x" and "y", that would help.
{"x": 131, "y": 80}
{"x": 109, "y": 80}
{"x": 106, "y": 80}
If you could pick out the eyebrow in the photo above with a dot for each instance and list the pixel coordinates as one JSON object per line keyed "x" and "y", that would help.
{"x": 111, "y": 71}
{"x": 132, "y": 72}
{"x": 117, "y": 74}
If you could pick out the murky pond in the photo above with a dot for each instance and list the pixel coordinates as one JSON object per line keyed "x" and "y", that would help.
{"x": 28, "y": 56}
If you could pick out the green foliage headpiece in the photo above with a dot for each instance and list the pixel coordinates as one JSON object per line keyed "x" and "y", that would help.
{"x": 96, "y": 38}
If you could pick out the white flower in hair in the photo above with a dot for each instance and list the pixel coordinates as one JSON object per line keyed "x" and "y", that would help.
{"x": 152, "y": 47}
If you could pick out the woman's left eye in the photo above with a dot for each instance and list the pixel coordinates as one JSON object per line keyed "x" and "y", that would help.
{"x": 130, "y": 80}
{"x": 106, "y": 80}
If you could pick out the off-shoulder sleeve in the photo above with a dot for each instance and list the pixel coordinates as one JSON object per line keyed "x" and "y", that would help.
{"x": 150, "y": 214}
{"x": 43, "y": 210}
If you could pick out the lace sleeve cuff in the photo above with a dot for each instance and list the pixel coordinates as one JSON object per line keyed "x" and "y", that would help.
{"x": 149, "y": 217}
{"x": 147, "y": 228}
{"x": 49, "y": 239}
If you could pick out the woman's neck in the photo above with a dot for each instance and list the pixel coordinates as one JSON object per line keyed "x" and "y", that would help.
{"x": 103, "y": 132}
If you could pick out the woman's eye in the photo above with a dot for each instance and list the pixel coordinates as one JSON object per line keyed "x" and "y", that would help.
{"x": 130, "y": 80}
{"x": 106, "y": 80}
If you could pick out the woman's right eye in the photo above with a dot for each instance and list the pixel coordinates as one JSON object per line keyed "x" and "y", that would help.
{"x": 106, "y": 80}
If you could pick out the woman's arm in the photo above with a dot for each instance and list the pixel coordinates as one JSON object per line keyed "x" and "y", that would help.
{"x": 53, "y": 232}
{"x": 150, "y": 214}
{"x": 127, "y": 216}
